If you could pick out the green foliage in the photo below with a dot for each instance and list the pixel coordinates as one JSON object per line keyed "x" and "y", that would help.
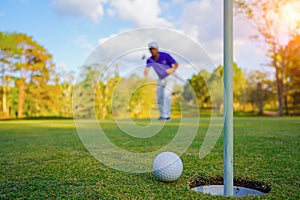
{"x": 199, "y": 86}
{"x": 32, "y": 86}
{"x": 142, "y": 98}
{"x": 292, "y": 51}
{"x": 85, "y": 91}
{"x": 204, "y": 82}
{"x": 260, "y": 91}
{"x": 27, "y": 66}
{"x": 8, "y": 48}
{"x": 267, "y": 19}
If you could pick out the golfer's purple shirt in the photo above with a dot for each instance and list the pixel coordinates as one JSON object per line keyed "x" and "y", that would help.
{"x": 164, "y": 62}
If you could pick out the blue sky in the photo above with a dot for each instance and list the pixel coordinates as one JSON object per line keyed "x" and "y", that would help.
{"x": 71, "y": 29}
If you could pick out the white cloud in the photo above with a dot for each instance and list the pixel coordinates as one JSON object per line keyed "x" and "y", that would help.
{"x": 91, "y": 9}
{"x": 202, "y": 21}
{"x": 62, "y": 66}
{"x": 126, "y": 49}
{"x": 102, "y": 40}
{"x": 248, "y": 53}
{"x": 166, "y": 5}
{"x": 111, "y": 12}
{"x": 83, "y": 42}
{"x": 140, "y": 12}
{"x": 206, "y": 15}
{"x": 178, "y": 1}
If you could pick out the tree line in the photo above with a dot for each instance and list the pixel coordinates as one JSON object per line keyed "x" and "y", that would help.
{"x": 31, "y": 85}
{"x": 272, "y": 24}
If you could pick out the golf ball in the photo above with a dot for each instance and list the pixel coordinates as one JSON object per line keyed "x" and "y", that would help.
{"x": 167, "y": 166}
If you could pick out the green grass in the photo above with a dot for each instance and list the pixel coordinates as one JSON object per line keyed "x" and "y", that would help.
{"x": 45, "y": 159}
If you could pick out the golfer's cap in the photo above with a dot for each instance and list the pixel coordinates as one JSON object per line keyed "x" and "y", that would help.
{"x": 153, "y": 45}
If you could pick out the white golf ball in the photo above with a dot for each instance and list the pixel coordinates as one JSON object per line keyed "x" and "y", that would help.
{"x": 167, "y": 166}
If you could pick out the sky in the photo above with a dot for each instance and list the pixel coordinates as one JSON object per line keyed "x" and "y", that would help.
{"x": 71, "y": 29}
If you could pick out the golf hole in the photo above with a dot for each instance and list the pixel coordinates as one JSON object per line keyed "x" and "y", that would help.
{"x": 242, "y": 187}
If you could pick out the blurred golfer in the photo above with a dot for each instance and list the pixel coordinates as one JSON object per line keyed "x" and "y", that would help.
{"x": 164, "y": 66}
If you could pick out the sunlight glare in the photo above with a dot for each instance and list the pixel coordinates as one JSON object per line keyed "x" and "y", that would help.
{"x": 291, "y": 14}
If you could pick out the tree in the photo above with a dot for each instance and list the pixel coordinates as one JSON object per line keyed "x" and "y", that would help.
{"x": 239, "y": 84}
{"x": 8, "y": 49}
{"x": 26, "y": 67}
{"x": 268, "y": 17}
{"x": 34, "y": 64}
{"x": 260, "y": 90}
{"x": 66, "y": 92}
{"x": 293, "y": 72}
{"x": 93, "y": 92}
{"x": 199, "y": 86}
{"x": 204, "y": 83}
{"x": 132, "y": 96}
{"x": 142, "y": 97}
{"x": 84, "y": 91}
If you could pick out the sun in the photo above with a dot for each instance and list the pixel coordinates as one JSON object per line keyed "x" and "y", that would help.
{"x": 290, "y": 14}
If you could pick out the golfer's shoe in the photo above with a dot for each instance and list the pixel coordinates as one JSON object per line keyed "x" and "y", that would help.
{"x": 168, "y": 119}
{"x": 165, "y": 119}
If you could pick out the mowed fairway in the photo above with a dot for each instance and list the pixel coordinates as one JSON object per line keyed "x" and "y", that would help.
{"x": 45, "y": 159}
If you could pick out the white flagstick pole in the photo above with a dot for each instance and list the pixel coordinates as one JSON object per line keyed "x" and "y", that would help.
{"x": 228, "y": 98}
